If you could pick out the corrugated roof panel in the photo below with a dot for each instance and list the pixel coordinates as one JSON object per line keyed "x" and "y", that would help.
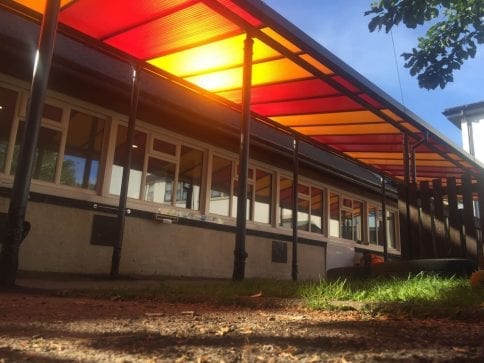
{"x": 248, "y": 17}
{"x": 193, "y": 26}
{"x": 262, "y": 73}
{"x": 306, "y": 88}
{"x": 281, "y": 40}
{"x": 107, "y": 17}
{"x": 202, "y": 42}
{"x": 328, "y": 118}
{"x": 221, "y": 54}
{"x": 39, "y": 5}
{"x": 310, "y": 106}
{"x": 316, "y": 64}
{"x": 366, "y": 129}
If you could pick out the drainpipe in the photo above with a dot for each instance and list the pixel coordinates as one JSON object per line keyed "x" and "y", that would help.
{"x": 295, "y": 182}
{"x": 384, "y": 218}
{"x": 240, "y": 255}
{"x": 23, "y": 174}
{"x": 413, "y": 156}
{"x": 123, "y": 195}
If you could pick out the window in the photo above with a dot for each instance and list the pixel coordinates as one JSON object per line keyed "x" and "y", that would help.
{"x": 374, "y": 224}
{"x": 351, "y": 211}
{"x": 316, "y": 210}
{"x": 172, "y": 175}
{"x": 285, "y": 202}
{"x": 224, "y": 190}
{"x": 8, "y": 101}
{"x": 375, "y": 227}
{"x": 160, "y": 177}
{"x": 303, "y": 202}
{"x": 137, "y": 162}
{"x": 392, "y": 229}
{"x": 345, "y": 217}
{"x": 263, "y": 197}
{"x": 75, "y": 163}
{"x": 334, "y": 222}
{"x": 46, "y": 154}
{"x": 82, "y": 154}
{"x": 221, "y": 186}
{"x": 189, "y": 178}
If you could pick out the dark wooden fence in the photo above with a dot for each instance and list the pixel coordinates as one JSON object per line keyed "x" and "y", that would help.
{"x": 441, "y": 220}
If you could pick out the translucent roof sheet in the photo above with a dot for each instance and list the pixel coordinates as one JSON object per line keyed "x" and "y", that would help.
{"x": 296, "y": 82}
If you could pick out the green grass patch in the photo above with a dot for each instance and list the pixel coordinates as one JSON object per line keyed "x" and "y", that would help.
{"x": 421, "y": 290}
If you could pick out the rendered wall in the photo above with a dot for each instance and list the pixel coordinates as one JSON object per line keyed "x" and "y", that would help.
{"x": 59, "y": 241}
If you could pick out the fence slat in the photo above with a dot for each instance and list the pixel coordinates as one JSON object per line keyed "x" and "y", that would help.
{"x": 480, "y": 193}
{"x": 426, "y": 221}
{"x": 414, "y": 228}
{"x": 469, "y": 246}
{"x": 455, "y": 225}
{"x": 403, "y": 221}
{"x": 439, "y": 224}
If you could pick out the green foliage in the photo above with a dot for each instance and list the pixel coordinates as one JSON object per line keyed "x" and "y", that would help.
{"x": 457, "y": 28}
{"x": 420, "y": 289}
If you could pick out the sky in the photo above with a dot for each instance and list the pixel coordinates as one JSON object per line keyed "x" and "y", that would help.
{"x": 341, "y": 27}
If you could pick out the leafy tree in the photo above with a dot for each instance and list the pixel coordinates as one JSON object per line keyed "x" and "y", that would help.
{"x": 457, "y": 28}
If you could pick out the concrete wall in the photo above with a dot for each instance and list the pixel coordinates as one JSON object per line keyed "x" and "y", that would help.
{"x": 59, "y": 241}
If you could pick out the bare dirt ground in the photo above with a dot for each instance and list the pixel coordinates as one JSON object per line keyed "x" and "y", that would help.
{"x": 38, "y": 327}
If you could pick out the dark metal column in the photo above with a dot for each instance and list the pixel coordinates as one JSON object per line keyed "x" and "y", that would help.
{"x": 23, "y": 173}
{"x": 295, "y": 182}
{"x": 240, "y": 255}
{"x": 384, "y": 218}
{"x": 406, "y": 159}
{"x": 123, "y": 196}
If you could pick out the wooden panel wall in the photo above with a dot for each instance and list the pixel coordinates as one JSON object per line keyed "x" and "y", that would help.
{"x": 442, "y": 221}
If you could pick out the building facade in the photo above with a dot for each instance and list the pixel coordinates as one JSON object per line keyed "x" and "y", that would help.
{"x": 327, "y": 149}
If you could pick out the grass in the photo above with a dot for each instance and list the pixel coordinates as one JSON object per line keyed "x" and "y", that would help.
{"x": 421, "y": 290}
{"x": 427, "y": 294}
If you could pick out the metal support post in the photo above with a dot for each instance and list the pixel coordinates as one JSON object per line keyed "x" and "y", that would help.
{"x": 295, "y": 182}
{"x": 240, "y": 255}
{"x": 123, "y": 196}
{"x": 23, "y": 174}
{"x": 406, "y": 159}
{"x": 384, "y": 218}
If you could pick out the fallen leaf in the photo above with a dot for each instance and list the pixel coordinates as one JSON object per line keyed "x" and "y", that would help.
{"x": 259, "y": 294}
{"x": 222, "y": 331}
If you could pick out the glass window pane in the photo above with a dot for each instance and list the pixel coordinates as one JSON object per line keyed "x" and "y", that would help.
{"x": 137, "y": 161}
{"x": 346, "y": 224}
{"x": 263, "y": 197}
{"x": 391, "y": 229}
{"x": 357, "y": 225}
{"x": 53, "y": 113}
{"x": 250, "y": 189}
{"x": 160, "y": 177}
{"x": 220, "y": 190}
{"x": 8, "y": 100}
{"x": 164, "y": 147}
{"x": 303, "y": 189}
{"x": 303, "y": 214}
{"x": 46, "y": 154}
{"x": 82, "y": 154}
{"x": 285, "y": 203}
{"x": 334, "y": 215}
{"x": 348, "y": 203}
{"x": 372, "y": 225}
{"x": 189, "y": 178}
{"x": 316, "y": 210}
{"x": 380, "y": 228}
